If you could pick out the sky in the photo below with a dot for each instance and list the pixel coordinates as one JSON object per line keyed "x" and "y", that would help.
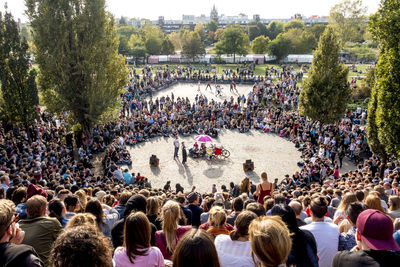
{"x": 174, "y": 9}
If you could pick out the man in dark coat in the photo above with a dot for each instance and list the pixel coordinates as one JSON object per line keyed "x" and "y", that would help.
{"x": 184, "y": 153}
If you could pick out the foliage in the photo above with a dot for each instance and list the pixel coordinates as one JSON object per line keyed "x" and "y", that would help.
{"x": 153, "y": 38}
{"x": 18, "y": 86}
{"x": 326, "y": 90}
{"x": 218, "y": 34}
{"x": 199, "y": 28}
{"x": 212, "y": 26}
{"x": 302, "y": 42}
{"x": 385, "y": 28}
{"x": 260, "y": 45}
{"x": 176, "y": 40}
{"x": 294, "y": 24}
{"x": 364, "y": 91}
{"x": 274, "y": 28}
{"x": 167, "y": 47}
{"x": 233, "y": 41}
{"x": 349, "y": 20}
{"x": 76, "y": 50}
{"x": 255, "y": 29}
{"x": 362, "y": 52}
{"x": 280, "y": 47}
{"x": 192, "y": 46}
{"x": 316, "y": 30}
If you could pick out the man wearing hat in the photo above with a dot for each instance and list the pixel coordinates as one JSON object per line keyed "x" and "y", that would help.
{"x": 375, "y": 243}
{"x": 193, "y": 199}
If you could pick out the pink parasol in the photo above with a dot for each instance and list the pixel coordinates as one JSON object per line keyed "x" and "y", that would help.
{"x": 203, "y": 138}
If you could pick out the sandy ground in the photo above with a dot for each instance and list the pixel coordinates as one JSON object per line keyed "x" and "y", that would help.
{"x": 269, "y": 152}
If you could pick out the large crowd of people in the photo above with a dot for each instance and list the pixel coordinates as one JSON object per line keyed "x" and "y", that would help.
{"x": 55, "y": 211}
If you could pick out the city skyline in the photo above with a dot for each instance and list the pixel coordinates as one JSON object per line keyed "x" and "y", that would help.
{"x": 175, "y": 9}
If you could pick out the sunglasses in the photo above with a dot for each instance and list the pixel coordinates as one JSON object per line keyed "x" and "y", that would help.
{"x": 16, "y": 219}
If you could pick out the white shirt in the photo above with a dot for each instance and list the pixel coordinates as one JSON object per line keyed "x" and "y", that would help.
{"x": 233, "y": 253}
{"x": 176, "y": 143}
{"x": 327, "y": 237}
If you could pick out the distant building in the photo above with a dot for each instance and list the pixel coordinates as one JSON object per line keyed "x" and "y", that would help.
{"x": 190, "y": 21}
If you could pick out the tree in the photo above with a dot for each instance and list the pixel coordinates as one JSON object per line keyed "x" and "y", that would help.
{"x": 218, "y": 34}
{"x": 192, "y": 46}
{"x": 136, "y": 46}
{"x": 302, "y": 42}
{"x": 260, "y": 45}
{"x": 274, "y": 28}
{"x": 294, "y": 24}
{"x": 316, "y": 30}
{"x": 280, "y": 47}
{"x": 18, "y": 86}
{"x": 176, "y": 40}
{"x": 199, "y": 28}
{"x": 153, "y": 38}
{"x": 349, "y": 20}
{"x": 77, "y": 52}
{"x": 326, "y": 91}
{"x": 167, "y": 46}
{"x": 233, "y": 41}
{"x": 255, "y": 29}
{"x": 212, "y": 26}
{"x": 385, "y": 28}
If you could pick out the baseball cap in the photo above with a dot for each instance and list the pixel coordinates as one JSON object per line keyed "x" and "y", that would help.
{"x": 376, "y": 228}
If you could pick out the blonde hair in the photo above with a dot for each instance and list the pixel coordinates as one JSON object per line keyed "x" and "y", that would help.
{"x": 81, "y": 194}
{"x": 170, "y": 215}
{"x": 108, "y": 200}
{"x": 374, "y": 202}
{"x": 270, "y": 240}
{"x": 264, "y": 176}
{"x": 81, "y": 219}
{"x": 152, "y": 206}
{"x": 347, "y": 199}
{"x": 217, "y": 216}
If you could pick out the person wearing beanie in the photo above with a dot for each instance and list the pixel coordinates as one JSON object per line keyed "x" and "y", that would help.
{"x": 375, "y": 243}
{"x": 35, "y": 190}
{"x": 135, "y": 203}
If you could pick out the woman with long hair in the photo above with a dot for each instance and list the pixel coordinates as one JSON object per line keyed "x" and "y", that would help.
{"x": 81, "y": 194}
{"x": 56, "y": 209}
{"x": 245, "y": 186}
{"x": 394, "y": 207}
{"x": 264, "y": 189}
{"x": 168, "y": 237}
{"x": 196, "y": 249}
{"x": 136, "y": 250}
{"x": 340, "y": 213}
{"x": 304, "y": 247}
{"x": 152, "y": 210}
{"x": 270, "y": 240}
{"x": 217, "y": 221}
{"x": 373, "y": 201}
{"x": 234, "y": 249}
{"x": 104, "y": 222}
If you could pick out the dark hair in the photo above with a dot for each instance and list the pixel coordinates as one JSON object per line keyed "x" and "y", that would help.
{"x": 81, "y": 246}
{"x": 279, "y": 199}
{"x": 360, "y": 195}
{"x": 71, "y": 200}
{"x": 94, "y": 207}
{"x": 55, "y": 209}
{"x": 319, "y": 206}
{"x": 288, "y": 216}
{"x": 18, "y": 195}
{"x": 242, "y": 223}
{"x": 137, "y": 233}
{"x": 196, "y": 249}
{"x": 237, "y": 204}
{"x": 257, "y": 208}
{"x": 354, "y": 210}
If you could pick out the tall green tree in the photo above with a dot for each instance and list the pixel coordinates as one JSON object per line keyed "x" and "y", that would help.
{"x": 294, "y": 24}
{"x": 167, "y": 46}
{"x": 199, "y": 28}
{"x": 385, "y": 28}
{"x": 274, "y": 28}
{"x": 280, "y": 47}
{"x": 77, "y": 52}
{"x": 255, "y": 29}
{"x": 212, "y": 26}
{"x": 234, "y": 41}
{"x": 192, "y": 46}
{"x": 18, "y": 86}
{"x": 326, "y": 91}
{"x": 153, "y": 38}
{"x": 349, "y": 20}
{"x": 260, "y": 45}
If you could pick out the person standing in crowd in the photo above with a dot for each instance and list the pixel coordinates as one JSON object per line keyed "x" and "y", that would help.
{"x": 40, "y": 231}
{"x": 193, "y": 206}
{"x": 264, "y": 189}
{"x": 137, "y": 250}
{"x": 347, "y": 240}
{"x": 235, "y": 249}
{"x": 326, "y": 234}
{"x": 184, "y": 153}
{"x": 104, "y": 221}
{"x": 375, "y": 243}
{"x": 12, "y": 252}
{"x": 176, "y": 146}
{"x": 171, "y": 233}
